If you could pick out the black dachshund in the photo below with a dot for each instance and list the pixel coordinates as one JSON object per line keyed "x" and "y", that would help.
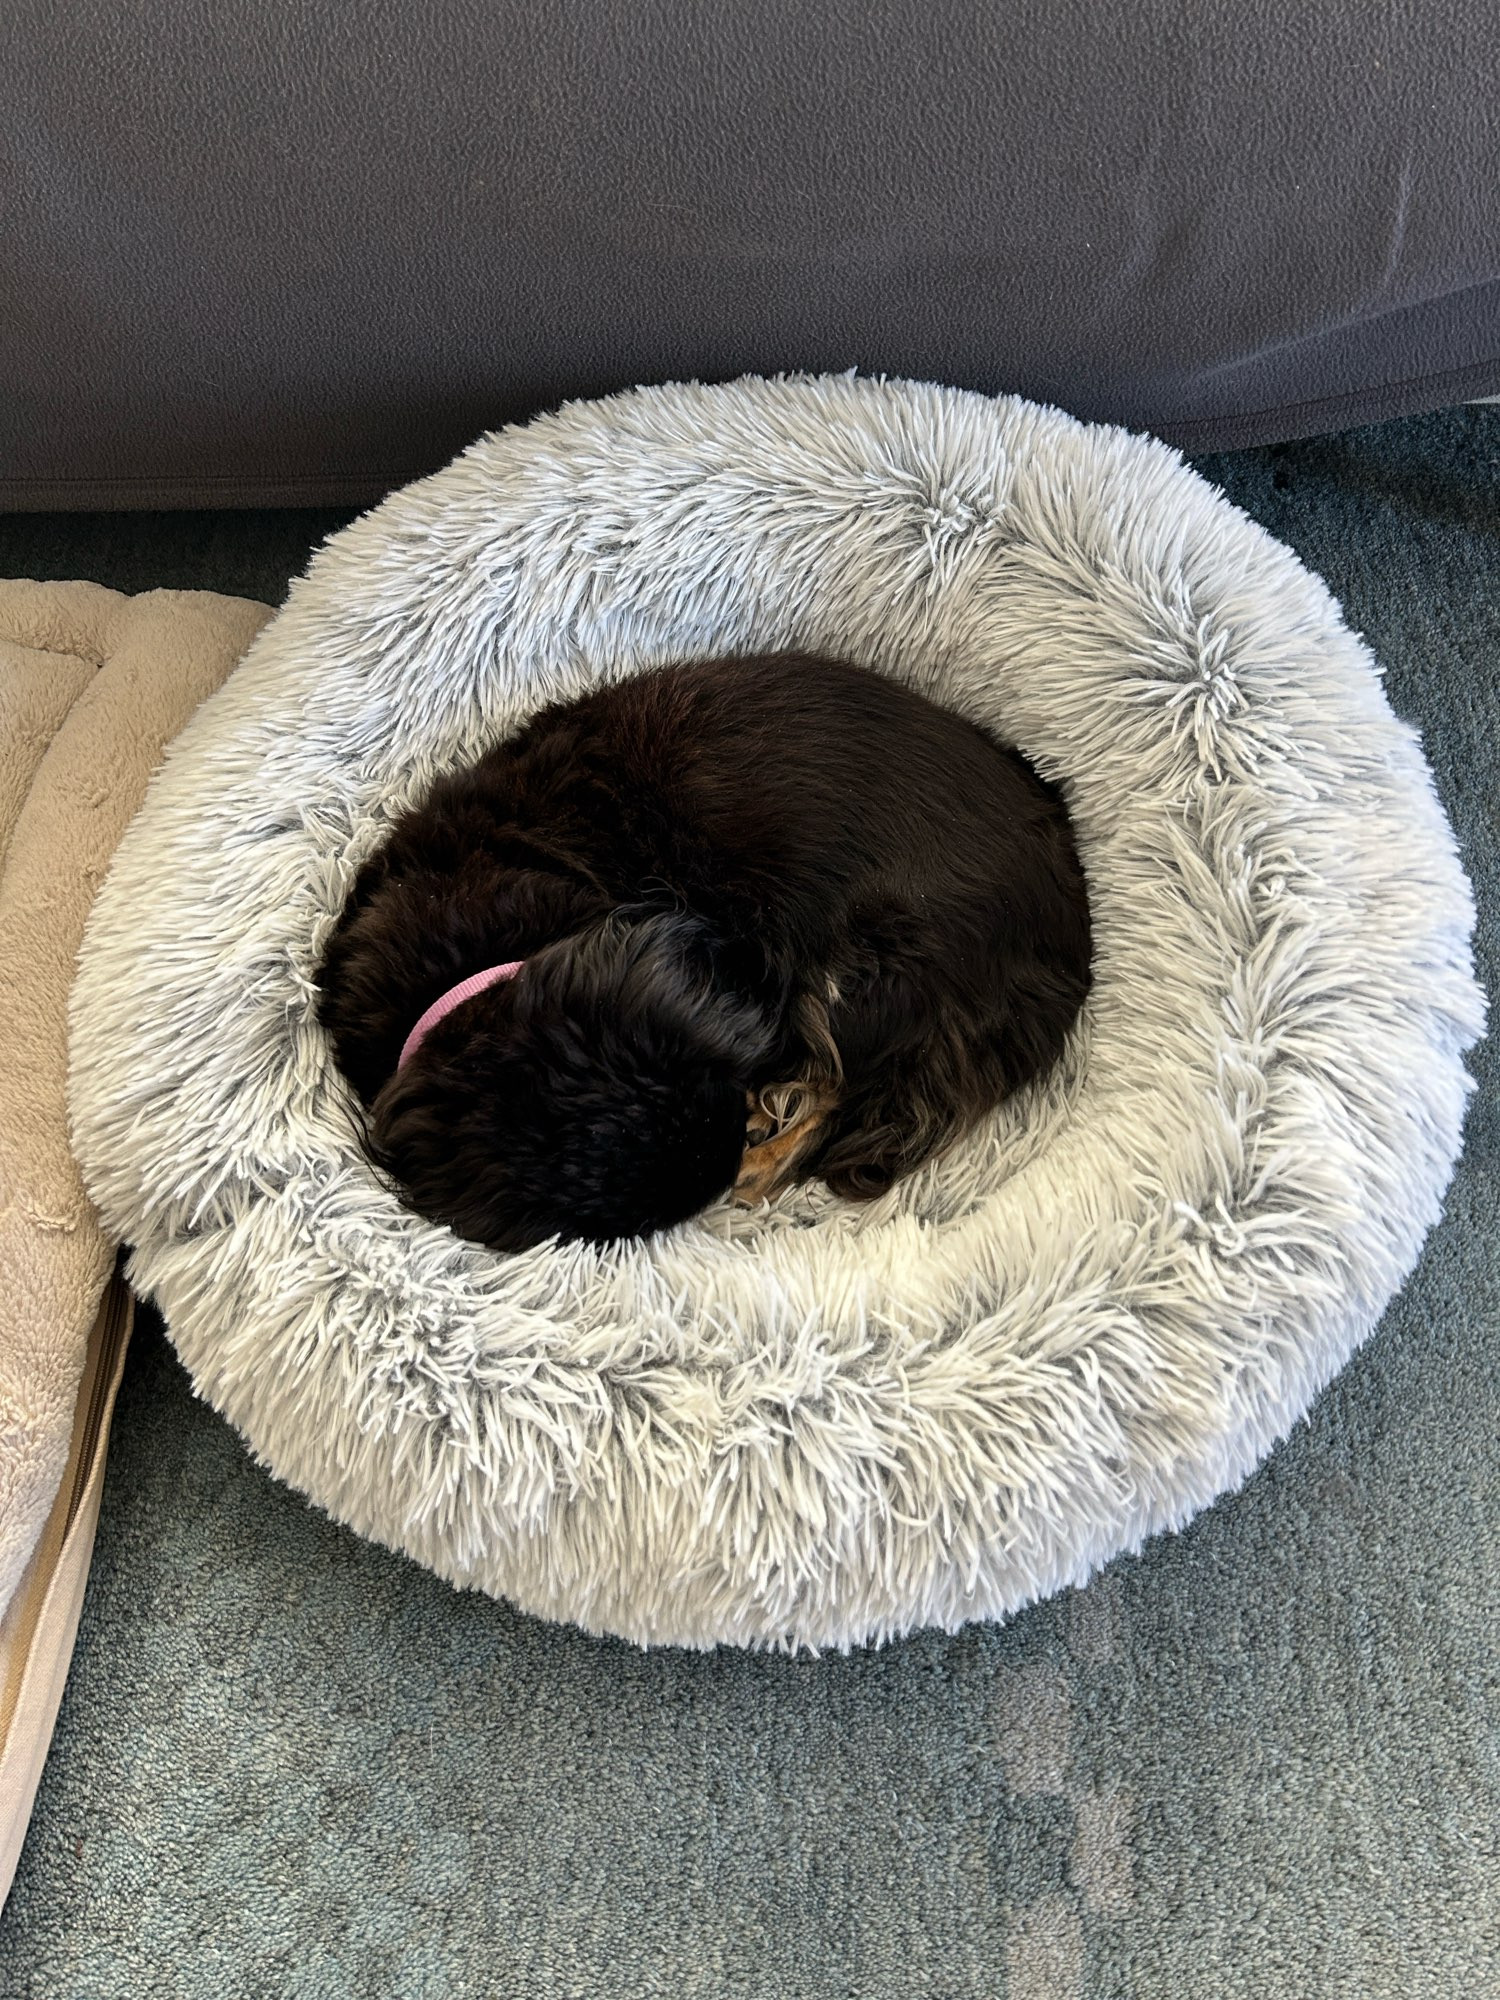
{"x": 731, "y": 924}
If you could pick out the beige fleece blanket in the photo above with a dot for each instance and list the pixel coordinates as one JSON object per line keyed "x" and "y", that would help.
{"x": 93, "y": 685}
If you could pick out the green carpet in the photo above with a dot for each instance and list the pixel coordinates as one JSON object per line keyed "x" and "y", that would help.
{"x": 1259, "y": 1759}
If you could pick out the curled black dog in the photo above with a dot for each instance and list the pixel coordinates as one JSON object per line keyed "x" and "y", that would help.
{"x": 729, "y": 924}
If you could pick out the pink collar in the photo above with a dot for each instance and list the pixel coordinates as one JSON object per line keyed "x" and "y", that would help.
{"x": 454, "y": 997}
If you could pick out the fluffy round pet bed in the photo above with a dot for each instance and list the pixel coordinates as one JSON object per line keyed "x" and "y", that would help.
{"x": 819, "y": 1424}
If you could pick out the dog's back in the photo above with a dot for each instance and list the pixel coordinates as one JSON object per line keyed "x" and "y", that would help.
{"x": 805, "y": 789}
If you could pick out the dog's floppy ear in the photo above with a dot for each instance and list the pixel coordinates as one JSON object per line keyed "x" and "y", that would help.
{"x": 599, "y": 1094}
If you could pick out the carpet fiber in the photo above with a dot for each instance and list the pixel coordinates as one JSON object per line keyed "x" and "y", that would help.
{"x": 1258, "y": 1759}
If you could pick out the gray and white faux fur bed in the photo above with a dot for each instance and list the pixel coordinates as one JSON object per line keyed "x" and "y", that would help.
{"x": 817, "y": 1425}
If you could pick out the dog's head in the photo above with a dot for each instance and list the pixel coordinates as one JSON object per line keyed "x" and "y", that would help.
{"x": 599, "y": 1094}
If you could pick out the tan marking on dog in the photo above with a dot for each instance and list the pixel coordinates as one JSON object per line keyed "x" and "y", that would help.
{"x": 785, "y": 1124}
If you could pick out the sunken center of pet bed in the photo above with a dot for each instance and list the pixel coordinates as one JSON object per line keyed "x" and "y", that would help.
{"x": 819, "y": 1424}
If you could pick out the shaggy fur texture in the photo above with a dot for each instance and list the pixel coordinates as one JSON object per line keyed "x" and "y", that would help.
{"x": 817, "y": 1424}
{"x": 782, "y": 884}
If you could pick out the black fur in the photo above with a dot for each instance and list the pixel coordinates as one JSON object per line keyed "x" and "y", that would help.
{"x": 721, "y": 876}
